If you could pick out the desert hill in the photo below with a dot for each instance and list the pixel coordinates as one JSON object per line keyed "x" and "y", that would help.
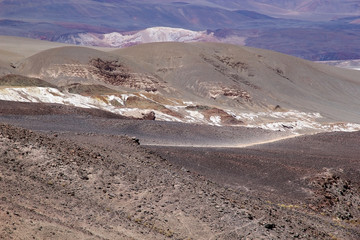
{"x": 210, "y": 83}
{"x": 63, "y": 184}
{"x": 17, "y": 48}
{"x": 246, "y": 143}
{"x": 250, "y": 77}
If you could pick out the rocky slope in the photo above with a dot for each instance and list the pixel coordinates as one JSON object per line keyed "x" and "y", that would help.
{"x": 204, "y": 83}
{"x": 234, "y": 155}
{"x": 68, "y": 185}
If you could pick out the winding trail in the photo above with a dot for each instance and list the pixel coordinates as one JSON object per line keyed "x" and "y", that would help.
{"x": 226, "y": 146}
{"x": 269, "y": 141}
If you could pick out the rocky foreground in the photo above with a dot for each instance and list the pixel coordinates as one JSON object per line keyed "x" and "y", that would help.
{"x": 247, "y": 143}
{"x": 63, "y": 185}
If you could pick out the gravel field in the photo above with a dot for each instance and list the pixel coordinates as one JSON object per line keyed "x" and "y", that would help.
{"x": 69, "y": 176}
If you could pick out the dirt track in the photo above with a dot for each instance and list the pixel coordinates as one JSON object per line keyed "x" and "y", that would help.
{"x": 279, "y": 169}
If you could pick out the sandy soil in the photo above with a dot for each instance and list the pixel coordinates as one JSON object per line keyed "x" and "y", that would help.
{"x": 17, "y": 48}
{"x": 79, "y": 176}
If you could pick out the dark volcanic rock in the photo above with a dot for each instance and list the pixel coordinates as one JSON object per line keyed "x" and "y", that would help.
{"x": 58, "y": 183}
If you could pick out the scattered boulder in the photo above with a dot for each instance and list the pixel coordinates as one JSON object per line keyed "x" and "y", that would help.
{"x": 270, "y": 226}
{"x": 149, "y": 116}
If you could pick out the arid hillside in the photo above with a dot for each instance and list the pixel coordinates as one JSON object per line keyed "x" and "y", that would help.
{"x": 176, "y": 141}
{"x": 79, "y": 174}
{"x": 207, "y": 83}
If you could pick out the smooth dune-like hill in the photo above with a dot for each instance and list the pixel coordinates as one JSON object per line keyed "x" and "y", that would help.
{"x": 71, "y": 64}
{"x": 4, "y": 68}
{"x": 199, "y": 81}
{"x": 17, "y": 48}
{"x": 61, "y": 63}
{"x": 251, "y": 78}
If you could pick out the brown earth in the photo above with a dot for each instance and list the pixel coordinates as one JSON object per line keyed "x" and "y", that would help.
{"x": 208, "y": 112}
{"x": 81, "y": 177}
{"x": 218, "y": 75}
{"x": 21, "y": 108}
{"x": 283, "y": 169}
{"x": 22, "y": 81}
{"x": 89, "y": 90}
{"x": 68, "y": 173}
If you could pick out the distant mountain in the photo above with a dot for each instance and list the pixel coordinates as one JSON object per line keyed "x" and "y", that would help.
{"x": 300, "y": 28}
{"x": 195, "y": 15}
{"x": 123, "y": 15}
{"x": 321, "y": 7}
{"x": 293, "y": 9}
{"x": 155, "y": 34}
{"x": 301, "y": 42}
{"x": 349, "y": 64}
